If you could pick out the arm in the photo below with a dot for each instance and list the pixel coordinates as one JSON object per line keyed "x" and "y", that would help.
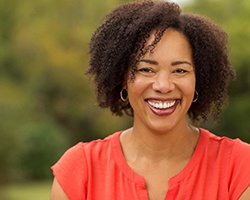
{"x": 71, "y": 172}
{"x": 246, "y": 194}
{"x": 57, "y": 192}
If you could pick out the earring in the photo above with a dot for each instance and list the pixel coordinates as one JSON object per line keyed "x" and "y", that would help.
{"x": 196, "y": 96}
{"x": 122, "y": 93}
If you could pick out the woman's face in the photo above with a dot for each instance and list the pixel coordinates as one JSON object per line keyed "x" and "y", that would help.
{"x": 163, "y": 88}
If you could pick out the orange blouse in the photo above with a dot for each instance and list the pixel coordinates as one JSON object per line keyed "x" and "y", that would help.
{"x": 218, "y": 169}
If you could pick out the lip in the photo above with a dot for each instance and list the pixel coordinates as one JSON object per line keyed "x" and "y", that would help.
{"x": 162, "y": 107}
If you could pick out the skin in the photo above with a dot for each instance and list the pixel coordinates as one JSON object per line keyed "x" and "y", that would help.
{"x": 166, "y": 75}
{"x": 246, "y": 194}
{"x": 57, "y": 192}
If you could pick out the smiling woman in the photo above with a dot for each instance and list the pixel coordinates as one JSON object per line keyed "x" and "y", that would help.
{"x": 160, "y": 66}
{"x": 164, "y": 84}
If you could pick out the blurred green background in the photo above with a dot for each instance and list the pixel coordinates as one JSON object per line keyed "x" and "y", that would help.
{"x": 46, "y": 101}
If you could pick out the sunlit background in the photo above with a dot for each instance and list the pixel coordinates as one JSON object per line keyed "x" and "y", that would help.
{"x": 182, "y": 2}
{"x": 46, "y": 101}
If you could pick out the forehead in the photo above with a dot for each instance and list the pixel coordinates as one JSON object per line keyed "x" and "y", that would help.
{"x": 171, "y": 43}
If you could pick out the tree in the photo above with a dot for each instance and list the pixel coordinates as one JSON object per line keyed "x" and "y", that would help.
{"x": 44, "y": 90}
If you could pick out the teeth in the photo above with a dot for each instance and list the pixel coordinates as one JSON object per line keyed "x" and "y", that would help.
{"x": 161, "y": 105}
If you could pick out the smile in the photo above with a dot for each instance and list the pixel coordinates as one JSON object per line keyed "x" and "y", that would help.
{"x": 162, "y": 105}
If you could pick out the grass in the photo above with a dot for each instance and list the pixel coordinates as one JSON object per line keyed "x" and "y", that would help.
{"x": 28, "y": 191}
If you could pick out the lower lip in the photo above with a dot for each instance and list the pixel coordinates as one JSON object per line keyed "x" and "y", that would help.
{"x": 162, "y": 112}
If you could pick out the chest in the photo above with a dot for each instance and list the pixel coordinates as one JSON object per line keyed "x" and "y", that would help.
{"x": 113, "y": 183}
{"x": 157, "y": 175}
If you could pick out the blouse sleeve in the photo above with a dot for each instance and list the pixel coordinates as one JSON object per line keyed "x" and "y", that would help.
{"x": 71, "y": 172}
{"x": 239, "y": 169}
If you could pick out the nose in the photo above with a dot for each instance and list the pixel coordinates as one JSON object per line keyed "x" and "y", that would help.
{"x": 163, "y": 83}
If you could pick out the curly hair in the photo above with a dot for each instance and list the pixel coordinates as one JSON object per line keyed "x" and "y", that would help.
{"x": 119, "y": 43}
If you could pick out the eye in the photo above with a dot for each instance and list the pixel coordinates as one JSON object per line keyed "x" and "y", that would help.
{"x": 180, "y": 71}
{"x": 146, "y": 70}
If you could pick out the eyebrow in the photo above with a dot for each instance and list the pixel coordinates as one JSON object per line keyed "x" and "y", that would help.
{"x": 181, "y": 62}
{"x": 153, "y": 62}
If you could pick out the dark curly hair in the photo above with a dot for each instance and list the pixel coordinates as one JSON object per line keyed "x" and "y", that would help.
{"x": 119, "y": 43}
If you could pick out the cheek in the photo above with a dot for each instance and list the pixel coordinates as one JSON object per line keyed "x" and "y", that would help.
{"x": 135, "y": 89}
{"x": 189, "y": 87}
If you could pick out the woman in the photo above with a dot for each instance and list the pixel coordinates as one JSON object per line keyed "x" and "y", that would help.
{"x": 168, "y": 70}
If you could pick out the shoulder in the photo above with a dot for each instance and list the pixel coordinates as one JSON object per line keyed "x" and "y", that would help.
{"x": 241, "y": 147}
{"x": 100, "y": 147}
{"x": 240, "y": 155}
{"x": 234, "y": 145}
{"x": 235, "y": 150}
{"x": 239, "y": 168}
{"x": 85, "y": 150}
{"x": 72, "y": 169}
{"x": 234, "y": 157}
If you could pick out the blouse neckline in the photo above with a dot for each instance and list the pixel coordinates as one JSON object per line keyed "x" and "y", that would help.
{"x": 134, "y": 177}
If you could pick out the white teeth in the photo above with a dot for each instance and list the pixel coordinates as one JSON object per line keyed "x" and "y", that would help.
{"x": 161, "y": 105}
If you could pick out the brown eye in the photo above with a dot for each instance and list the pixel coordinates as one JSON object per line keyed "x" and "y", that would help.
{"x": 146, "y": 70}
{"x": 180, "y": 71}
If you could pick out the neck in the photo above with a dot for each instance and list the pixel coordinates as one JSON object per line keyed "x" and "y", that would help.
{"x": 172, "y": 145}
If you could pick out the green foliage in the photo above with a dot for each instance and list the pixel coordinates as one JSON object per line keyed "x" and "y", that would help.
{"x": 42, "y": 146}
{"x": 30, "y": 143}
{"x": 46, "y": 103}
{"x": 27, "y": 191}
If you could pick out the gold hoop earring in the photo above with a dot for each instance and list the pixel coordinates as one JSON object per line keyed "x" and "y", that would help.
{"x": 122, "y": 93}
{"x": 196, "y": 96}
